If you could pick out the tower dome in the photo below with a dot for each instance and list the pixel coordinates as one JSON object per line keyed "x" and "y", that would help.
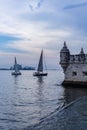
{"x": 64, "y": 49}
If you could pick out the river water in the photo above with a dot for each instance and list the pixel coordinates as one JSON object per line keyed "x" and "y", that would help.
{"x": 26, "y": 100}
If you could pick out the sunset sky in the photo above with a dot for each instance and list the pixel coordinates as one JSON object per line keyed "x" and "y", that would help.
{"x": 27, "y": 26}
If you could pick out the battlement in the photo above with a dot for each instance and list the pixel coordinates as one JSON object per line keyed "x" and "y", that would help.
{"x": 78, "y": 58}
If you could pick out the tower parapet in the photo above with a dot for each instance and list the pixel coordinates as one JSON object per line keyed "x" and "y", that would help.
{"x": 64, "y": 57}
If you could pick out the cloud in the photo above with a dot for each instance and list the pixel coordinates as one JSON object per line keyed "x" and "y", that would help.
{"x": 35, "y": 5}
{"x": 46, "y": 26}
{"x": 8, "y": 38}
{"x": 5, "y": 38}
{"x": 75, "y": 5}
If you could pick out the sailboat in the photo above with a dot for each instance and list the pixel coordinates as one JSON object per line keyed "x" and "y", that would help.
{"x": 40, "y": 67}
{"x": 16, "y": 69}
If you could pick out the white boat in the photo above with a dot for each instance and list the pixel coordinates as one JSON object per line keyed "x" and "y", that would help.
{"x": 16, "y": 69}
{"x": 39, "y": 71}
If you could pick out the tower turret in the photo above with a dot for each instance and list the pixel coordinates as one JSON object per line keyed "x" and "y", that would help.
{"x": 64, "y": 57}
{"x": 82, "y": 55}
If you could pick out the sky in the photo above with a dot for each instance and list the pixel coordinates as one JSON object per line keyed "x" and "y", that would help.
{"x": 28, "y": 26}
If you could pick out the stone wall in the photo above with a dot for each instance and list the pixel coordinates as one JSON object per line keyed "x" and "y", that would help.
{"x": 76, "y": 72}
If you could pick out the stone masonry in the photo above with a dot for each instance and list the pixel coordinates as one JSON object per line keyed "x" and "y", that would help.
{"x": 74, "y": 66}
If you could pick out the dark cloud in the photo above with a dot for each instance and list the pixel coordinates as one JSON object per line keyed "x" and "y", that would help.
{"x": 37, "y": 6}
{"x": 75, "y": 6}
{"x": 39, "y": 3}
{"x": 31, "y": 7}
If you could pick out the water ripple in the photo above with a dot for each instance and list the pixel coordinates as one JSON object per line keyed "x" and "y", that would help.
{"x": 26, "y": 100}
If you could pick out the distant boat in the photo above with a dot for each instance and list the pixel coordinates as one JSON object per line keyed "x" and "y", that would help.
{"x": 16, "y": 69}
{"x": 40, "y": 67}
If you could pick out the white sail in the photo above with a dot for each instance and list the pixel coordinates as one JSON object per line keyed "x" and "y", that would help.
{"x": 40, "y": 65}
{"x": 16, "y": 69}
{"x": 16, "y": 66}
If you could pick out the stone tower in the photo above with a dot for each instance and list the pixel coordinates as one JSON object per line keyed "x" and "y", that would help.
{"x": 64, "y": 57}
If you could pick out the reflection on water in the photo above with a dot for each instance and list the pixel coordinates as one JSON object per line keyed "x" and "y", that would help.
{"x": 40, "y": 99}
{"x": 71, "y": 93}
{"x": 40, "y": 80}
{"x": 40, "y": 83}
{"x": 15, "y": 78}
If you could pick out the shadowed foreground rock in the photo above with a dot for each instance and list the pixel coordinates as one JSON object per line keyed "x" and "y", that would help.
{"x": 71, "y": 117}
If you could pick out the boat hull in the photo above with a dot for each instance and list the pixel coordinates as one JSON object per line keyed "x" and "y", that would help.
{"x": 40, "y": 74}
{"x": 16, "y": 73}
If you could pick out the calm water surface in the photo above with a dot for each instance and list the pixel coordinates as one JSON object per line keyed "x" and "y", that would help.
{"x": 25, "y": 100}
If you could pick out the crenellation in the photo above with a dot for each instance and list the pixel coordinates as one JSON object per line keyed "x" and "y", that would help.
{"x": 76, "y": 58}
{"x": 72, "y": 59}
